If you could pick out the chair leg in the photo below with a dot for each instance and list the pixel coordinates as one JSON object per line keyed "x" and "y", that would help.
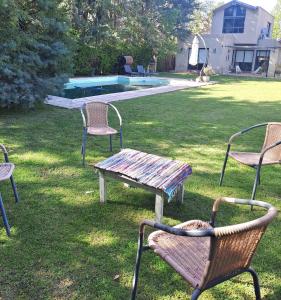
{"x": 256, "y": 283}
{"x": 196, "y": 293}
{"x": 224, "y": 164}
{"x": 259, "y": 182}
{"x": 4, "y": 217}
{"x": 14, "y": 189}
{"x": 121, "y": 138}
{"x": 137, "y": 267}
{"x": 83, "y": 148}
{"x": 256, "y": 183}
{"x": 110, "y": 143}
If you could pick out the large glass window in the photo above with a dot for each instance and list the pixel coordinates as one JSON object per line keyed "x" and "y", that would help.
{"x": 244, "y": 59}
{"x": 234, "y": 19}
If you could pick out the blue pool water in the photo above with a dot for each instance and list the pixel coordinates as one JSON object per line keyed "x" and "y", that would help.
{"x": 93, "y": 86}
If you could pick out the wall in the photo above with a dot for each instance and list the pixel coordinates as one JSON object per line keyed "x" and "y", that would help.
{"x": 220, "y": 55}
{"x": 182, "y": 57}
{"x": 255, "y": 20}
{"x": 263, "y": 18}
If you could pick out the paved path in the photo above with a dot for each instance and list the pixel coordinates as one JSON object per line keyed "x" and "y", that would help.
{"x": 174, "y": 85}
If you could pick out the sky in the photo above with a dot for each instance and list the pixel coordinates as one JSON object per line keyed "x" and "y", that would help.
{"x": 266, "y": 4}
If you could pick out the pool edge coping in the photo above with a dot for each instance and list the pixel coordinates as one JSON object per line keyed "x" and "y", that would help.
{"x": 175, "y": 84}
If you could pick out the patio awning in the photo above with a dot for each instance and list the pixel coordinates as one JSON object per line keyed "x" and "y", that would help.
{"x": 253, "y": 47}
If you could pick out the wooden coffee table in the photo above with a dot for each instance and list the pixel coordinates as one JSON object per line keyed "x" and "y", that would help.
{"x": 162, "y": 176}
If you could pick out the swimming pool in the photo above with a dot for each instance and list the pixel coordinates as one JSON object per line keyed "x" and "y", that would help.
{"x": 93, "y": 86}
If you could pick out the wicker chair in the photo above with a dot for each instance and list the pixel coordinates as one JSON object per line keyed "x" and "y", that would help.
{"x": 205, "y": 255}
{"x": 96, "y": 123}
{"x": 6, "y": 172}
{"x": 269, "y": 155}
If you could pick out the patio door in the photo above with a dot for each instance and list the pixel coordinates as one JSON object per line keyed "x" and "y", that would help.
{"x": 262, "y": 59}
{"x": 244, "y": 59}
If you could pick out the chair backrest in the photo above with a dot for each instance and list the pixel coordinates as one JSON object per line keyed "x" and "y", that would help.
{"x": 97, "y": 114}
{"x": 127, "y": 69}
{"x": 140, "y": 69}
{"x": 237, "y": 69}
{"x": 233, "y": 247}
{"x": 273, "y": 135}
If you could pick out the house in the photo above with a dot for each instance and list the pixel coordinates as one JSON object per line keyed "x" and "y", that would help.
{"x": 241, "y": 35}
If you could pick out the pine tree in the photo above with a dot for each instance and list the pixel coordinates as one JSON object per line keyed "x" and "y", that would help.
{"x": 34, "y": 58}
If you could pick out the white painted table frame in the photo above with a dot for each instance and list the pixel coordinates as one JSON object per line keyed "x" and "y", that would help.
{"x": 159, "y": 198}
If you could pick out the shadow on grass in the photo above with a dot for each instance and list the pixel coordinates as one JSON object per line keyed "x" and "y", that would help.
{"x": 64, "y": 244}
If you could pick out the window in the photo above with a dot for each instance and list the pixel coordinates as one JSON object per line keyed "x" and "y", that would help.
{"x": 202, "y": 56}
{"x": 262, "y": 59}
{"x": 234, "y": 19}
{"x": 244, "y": 59}
{"x": 268, "y": 29}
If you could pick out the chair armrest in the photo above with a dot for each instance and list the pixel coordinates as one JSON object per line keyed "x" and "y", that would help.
{"x": 236, "y": 201}
{"x": 177, "y": 231}
{"x": 244, "y": 131}
{"x": 117, "y": 112}
{"x": 5, "y": 152}
{"x": 266, "y": 149}
{"x": 83, "y": 117}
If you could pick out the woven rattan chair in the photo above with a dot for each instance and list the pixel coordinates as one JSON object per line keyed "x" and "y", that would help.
{"x": 269, "y": 155}
{"x": 205, "y": 255}
{"x": 6, "y": 172}
{"x": 96, "y": 123}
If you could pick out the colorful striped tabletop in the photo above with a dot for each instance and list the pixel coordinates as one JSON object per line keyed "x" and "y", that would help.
{"x": 148, "y": 169}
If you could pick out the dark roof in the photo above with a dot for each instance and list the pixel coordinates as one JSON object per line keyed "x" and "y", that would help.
{"x": 235, "y": 2}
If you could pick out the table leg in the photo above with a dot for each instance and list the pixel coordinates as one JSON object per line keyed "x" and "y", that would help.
{"x": 102, "y": 183}
{"x": 180, "y": 193}
{"x": 159, "y": 203}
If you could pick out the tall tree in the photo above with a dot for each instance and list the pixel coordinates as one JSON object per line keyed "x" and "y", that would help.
{"x": 114, "y": 27}
{"x": 277, "y": 20}
{"x": 202, "y": 16}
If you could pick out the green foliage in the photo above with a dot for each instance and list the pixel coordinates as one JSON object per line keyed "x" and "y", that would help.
{"x": 277, "y": 20}
{"x": 34, "y": 59}
{"x": 41, "y": 40}
{"x": 106, "y": 29}
{"x": 202, "y": 16}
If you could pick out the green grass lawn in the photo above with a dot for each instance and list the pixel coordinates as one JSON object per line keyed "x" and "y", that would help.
{"x": 65, "y": 245}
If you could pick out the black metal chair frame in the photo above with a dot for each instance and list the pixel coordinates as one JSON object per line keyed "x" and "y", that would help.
{"x": 142, "y": 71}
{"x": 85, "y": 133}
{"x": 129, "y": 71}
{"x": 194, "y": 233}
{"x": 2, "y": 208}
{"x": 258, "y": 167}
